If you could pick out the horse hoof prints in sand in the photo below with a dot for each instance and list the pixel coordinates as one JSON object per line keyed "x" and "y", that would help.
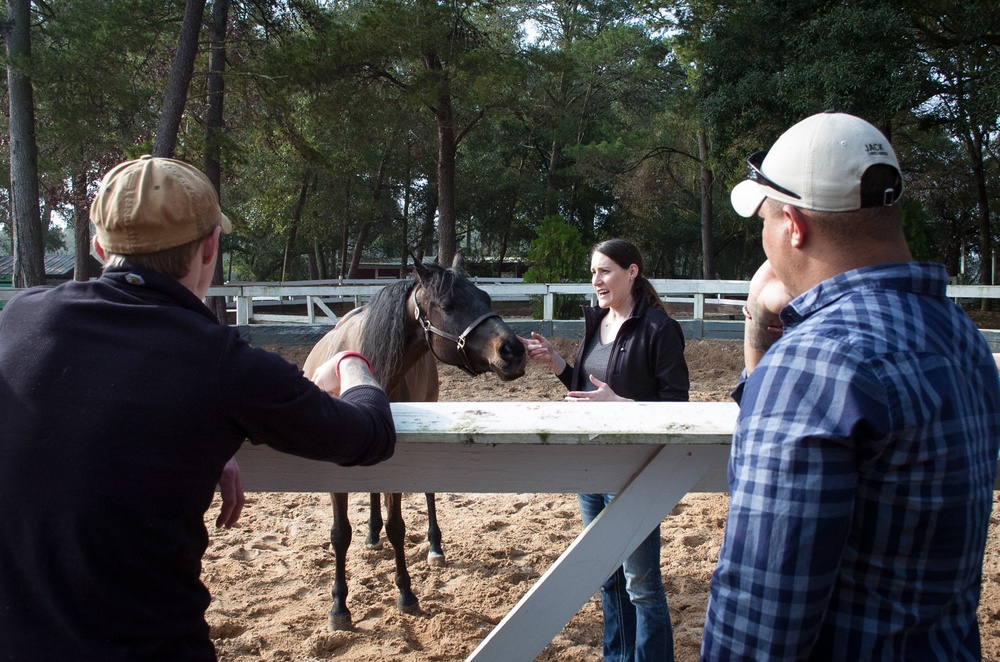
{"x": 437, "y": 313}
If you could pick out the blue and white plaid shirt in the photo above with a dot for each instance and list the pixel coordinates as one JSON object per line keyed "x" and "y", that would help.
{"x": 861, "y": 479}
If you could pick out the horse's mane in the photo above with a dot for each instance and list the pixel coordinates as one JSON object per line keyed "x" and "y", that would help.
{"x": 383, "y": 338}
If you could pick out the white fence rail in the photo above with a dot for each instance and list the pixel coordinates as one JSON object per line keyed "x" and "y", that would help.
{"x": 255, "y": 302}
{"x": 251, "y": 300}
{"x": 260, "y": 303}
{"x": 650, "y": 454}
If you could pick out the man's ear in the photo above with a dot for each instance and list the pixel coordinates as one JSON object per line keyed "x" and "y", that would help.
{"x": 798, "y": 229}
{"x": 210, "y": 245}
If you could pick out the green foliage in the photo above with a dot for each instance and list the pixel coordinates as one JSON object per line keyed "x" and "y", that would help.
{"x": 767, "y": 65}
{"x": 557, "y": 255}
{"x": 592, "y": 123}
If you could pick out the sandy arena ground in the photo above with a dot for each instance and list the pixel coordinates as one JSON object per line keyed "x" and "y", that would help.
{"x": 270, "y": 576}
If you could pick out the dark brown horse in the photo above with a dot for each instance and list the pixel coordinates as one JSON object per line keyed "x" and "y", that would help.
{"x": 437, "y": 313}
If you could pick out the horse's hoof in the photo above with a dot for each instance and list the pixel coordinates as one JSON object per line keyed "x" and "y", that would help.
{"x": 411, "y": 609}
{"x": 339, "y": 622}
{"x": 436, "y": 560}
{"x": 374, "y": 544}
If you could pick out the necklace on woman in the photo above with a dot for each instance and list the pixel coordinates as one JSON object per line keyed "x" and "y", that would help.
{"x": 608, "y": 323}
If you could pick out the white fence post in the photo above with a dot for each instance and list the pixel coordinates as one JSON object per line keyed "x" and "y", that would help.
{"x": 699, "y": 306}
{"x": 244, "y": 309}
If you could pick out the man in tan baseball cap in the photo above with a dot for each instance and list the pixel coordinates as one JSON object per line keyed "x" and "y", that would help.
{"x": 151, "y": 204}
{"x": 152, "y": 211}
{"x": 123, "y": 401}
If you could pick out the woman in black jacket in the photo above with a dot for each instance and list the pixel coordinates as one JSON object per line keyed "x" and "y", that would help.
{"x": 631, "y": 350}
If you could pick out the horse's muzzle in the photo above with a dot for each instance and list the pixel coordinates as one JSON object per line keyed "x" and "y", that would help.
{"x": 512, "y": 359}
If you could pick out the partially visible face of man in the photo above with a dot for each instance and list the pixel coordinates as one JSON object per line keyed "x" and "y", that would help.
{"x": 774, "y": 237}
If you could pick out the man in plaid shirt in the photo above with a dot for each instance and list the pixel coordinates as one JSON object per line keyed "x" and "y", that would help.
{"x": 863, "y": 461}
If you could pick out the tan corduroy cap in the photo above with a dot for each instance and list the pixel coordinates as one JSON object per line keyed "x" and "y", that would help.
{"x": 152, "y": 204}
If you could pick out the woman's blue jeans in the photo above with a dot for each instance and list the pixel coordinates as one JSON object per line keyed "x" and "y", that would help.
{"x": 636, "y": 618}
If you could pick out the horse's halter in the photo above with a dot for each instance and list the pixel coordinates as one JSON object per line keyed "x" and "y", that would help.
{"x": 458, "y": 340}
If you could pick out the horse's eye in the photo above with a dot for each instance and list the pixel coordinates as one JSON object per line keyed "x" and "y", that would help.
{"x": 447, "y": 303}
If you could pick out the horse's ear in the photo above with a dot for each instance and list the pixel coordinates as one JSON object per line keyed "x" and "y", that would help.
{"x": 458, "y": 264}
{"x": 419, "y": 268}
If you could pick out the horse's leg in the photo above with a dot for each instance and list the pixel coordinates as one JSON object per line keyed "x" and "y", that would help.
{"x": 340, "y": 538}
{"x": 374, "y": 539}
{"x": 395, "y": 531}
{"x": 435, "y": 555}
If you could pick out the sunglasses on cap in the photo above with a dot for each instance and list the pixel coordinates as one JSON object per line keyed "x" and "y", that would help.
{"x": 754, "y": 161}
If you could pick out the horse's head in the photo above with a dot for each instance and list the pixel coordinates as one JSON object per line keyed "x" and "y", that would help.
{"x": 459, "y": 325}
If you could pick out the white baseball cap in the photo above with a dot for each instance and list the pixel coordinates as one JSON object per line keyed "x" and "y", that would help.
{"x": 819, "y": 164}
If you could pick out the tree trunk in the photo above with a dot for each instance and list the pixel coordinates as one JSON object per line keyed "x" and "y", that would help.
{"x": 706, "y": 180}
{"x": 407, "y": 196}
{"x": 359, "y": 243}
{"x": 216, "y": 91}
{"x": 29, "y": 242}
{"x": 81, "y": 227}
{"x": 409, "y": 248}
{"x": 317, "y": 265}
{"x": 293, "y": 231}
{"x": 974, "y": 148}
{"x": 581, "y": 135}
{"x": 343, "y": 254}
{"x": 571, "y": 212}
{"x": 213, "y": 128}
{"x": 552, "y": 190}
{"x": 427, "y": 227}
{"x": 446, "y": 179}
{"x": 214, "y": 125}
{"x": 503, "y": 253}
{"x": 175, "y": 96}
{"x": 362, "y": 237}
{"x": 344, "y": 262}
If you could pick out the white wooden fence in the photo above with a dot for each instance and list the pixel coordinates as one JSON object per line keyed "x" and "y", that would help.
{"x": 649, "y": 454}
{"x": 250, "y": 299}
{"x": 256, "y": 303}
{"x": 265, "y": 305}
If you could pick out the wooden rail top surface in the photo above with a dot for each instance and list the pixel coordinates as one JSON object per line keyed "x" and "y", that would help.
{"x": 565, "y": 422}
{"x": 542, "y": 447}
{"x": 486, "y": 447}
